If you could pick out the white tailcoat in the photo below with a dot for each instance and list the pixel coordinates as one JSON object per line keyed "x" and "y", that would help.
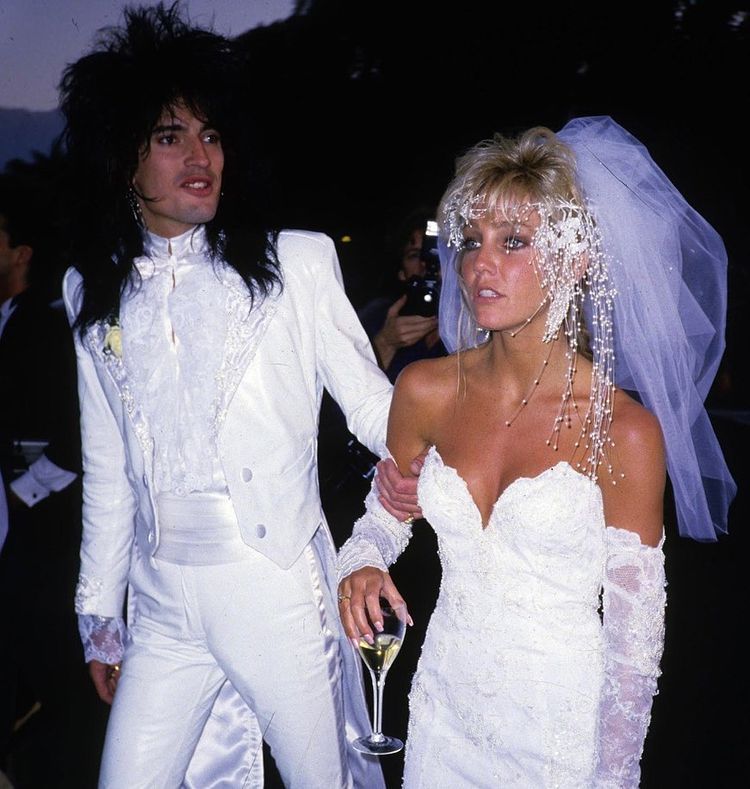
{"x": 282, "y": 353}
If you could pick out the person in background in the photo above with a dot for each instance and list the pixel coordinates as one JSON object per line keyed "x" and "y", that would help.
{"x": 205, "y": 340}
{"x": 43, "y": 681}
{"x": 584, "y": 303}
{"x": 397, "y": 337}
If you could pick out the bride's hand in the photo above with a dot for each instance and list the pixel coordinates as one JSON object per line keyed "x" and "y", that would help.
{"x": 359, "y": 606}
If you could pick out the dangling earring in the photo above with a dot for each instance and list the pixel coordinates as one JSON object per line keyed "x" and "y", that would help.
{"x": 482, "y": 334}
{"x": 135, "y": 207}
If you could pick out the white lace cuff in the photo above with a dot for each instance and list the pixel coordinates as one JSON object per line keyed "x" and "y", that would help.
{"x": 103, "y": 637}
{"x": 634, "y": 602}
{"x": 377, "y": 540}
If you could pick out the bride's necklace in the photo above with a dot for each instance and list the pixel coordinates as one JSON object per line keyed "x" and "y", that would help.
{"x": 525, "y": 400}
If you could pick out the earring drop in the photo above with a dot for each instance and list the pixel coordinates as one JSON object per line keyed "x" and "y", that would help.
{"x": 135, "y": 207}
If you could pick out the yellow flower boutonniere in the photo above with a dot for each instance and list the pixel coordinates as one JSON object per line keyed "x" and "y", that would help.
{"x": 113, "y": 339}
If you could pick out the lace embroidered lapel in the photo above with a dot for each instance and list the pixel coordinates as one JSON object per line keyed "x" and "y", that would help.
{"x": 245, "y": 329}
{"x": 97, "y": 343}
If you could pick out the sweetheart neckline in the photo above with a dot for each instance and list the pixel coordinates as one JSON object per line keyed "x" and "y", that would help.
{"x": 433, "y": 450}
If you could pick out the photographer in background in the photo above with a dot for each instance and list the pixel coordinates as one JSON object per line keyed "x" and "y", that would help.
{"x": 402, "y": 325}
{"x": 406, "y": 329}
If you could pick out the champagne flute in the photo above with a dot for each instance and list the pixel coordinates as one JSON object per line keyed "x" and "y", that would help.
{"x": 378, "y": 657}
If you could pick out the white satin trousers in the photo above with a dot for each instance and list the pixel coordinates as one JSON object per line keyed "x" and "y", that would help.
{"x": 263, "y": 628}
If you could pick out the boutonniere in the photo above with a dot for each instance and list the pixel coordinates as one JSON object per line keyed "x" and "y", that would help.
{"x": 113, "y": 337}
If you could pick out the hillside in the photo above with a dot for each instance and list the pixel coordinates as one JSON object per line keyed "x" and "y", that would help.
{"x": 24, "y": 131}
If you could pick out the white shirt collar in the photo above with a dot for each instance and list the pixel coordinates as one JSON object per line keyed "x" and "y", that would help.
{"x": 191, "y": 241}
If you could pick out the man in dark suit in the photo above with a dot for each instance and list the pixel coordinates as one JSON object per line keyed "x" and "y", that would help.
{"x": 48, "y": 711}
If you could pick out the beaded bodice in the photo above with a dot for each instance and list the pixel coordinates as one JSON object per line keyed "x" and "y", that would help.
{"x": 513, "y": 649}
{"x": 544, "y": 538}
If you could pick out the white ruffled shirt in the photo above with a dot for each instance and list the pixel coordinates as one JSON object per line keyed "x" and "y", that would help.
{"x": 174, "y": 329}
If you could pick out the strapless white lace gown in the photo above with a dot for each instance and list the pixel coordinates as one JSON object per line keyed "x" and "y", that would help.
{"x": 507, "y": 690}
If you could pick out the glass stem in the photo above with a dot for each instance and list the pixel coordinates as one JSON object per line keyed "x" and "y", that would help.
{"x": 378, "y": 683}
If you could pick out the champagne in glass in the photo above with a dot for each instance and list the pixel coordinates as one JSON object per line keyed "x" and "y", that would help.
{"x": 378, "y": 657}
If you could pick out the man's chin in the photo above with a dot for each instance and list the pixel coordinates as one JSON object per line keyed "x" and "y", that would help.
{"x": 200, "y": 215}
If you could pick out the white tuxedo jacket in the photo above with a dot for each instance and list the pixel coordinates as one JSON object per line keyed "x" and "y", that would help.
{"x": 301, "y": 338}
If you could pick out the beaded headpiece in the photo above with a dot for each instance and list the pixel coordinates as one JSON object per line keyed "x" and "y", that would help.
{"x": 651, "y": 297}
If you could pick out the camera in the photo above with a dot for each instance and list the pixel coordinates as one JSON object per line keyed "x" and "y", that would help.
{"x": 423, "y": 293}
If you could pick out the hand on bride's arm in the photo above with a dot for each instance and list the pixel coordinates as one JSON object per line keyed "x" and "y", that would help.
{"x": 359, "y": 602}
{"x": 397, "y": 493}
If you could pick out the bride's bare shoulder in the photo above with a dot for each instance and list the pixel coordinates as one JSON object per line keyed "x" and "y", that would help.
{"x": 636, "y": 457}
{"x": 429, "y": 377}
{"x": 635, "y": 430}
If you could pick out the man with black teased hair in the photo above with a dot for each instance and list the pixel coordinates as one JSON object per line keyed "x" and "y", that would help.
{"x": 204, "y": 343}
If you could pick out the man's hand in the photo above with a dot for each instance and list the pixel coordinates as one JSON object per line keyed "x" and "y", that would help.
{"x": 105, "y": 678}
{"x": 359, "y": 602}
{"x": 397, "y": 493}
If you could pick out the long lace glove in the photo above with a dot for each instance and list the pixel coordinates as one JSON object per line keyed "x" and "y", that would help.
{"x": 377, "y": 540}
{"x": 634, "y": 603}
{"x": 103, "y": 637}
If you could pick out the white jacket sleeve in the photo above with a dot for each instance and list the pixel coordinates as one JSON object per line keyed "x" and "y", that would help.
{"x": 377, "y": 540}
{"x": 346, "y": 359}
{"x": 108, "y": 499}
{"x": 634, "y": 601}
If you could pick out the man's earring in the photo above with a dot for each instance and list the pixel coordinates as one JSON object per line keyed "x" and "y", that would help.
{"x": 135, "y": 207}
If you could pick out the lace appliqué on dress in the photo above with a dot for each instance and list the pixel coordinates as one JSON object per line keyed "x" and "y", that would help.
{"x": 634, "y": 604}
{"x": 507, "y": 690}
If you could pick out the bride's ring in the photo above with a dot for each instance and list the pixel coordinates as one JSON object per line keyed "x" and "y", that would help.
{"x": 343, "y": 597}
{"x": 409, "y": 520}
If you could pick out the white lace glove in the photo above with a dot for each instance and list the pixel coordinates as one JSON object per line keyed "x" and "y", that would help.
{"x": 633, "y": 605}
{"x": 377, "y": 540}
{"x": 103, "y": 637}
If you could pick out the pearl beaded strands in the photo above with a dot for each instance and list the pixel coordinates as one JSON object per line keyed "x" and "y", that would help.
{"x": 573, "y": 272}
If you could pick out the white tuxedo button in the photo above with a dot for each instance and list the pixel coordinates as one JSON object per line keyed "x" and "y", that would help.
{"x": 247, "y": 475}
{"x": 260, "y": 530}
